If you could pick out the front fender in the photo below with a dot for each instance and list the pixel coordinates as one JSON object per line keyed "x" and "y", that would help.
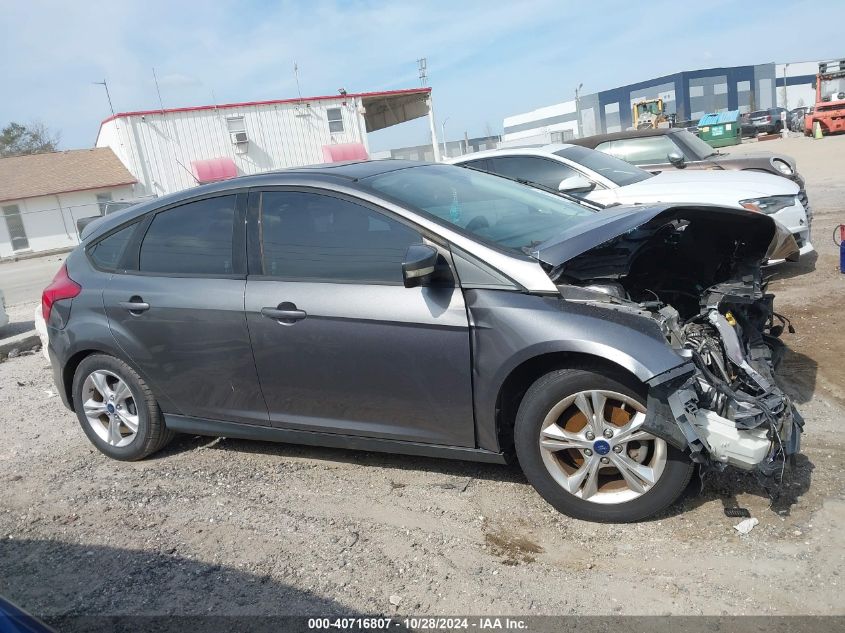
{"x": 510, "y": 328}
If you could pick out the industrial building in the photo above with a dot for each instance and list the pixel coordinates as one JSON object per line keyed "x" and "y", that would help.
{"x": 448, "y": 149}
{"x": 168, "y": 150}
{"x": 687, "y": 95}
{"x": 43, "y": 195}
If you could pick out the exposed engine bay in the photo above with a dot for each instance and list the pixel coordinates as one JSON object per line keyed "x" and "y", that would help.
{"x": 701, "y": 281}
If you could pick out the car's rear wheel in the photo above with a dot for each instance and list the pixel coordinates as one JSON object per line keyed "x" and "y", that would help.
{"x": 117, "y": 410}
{"x": 580, "y": 443}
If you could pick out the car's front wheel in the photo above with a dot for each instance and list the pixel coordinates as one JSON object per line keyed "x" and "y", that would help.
{"x": 117, "y": 410}
{"x": 579, "y": 441}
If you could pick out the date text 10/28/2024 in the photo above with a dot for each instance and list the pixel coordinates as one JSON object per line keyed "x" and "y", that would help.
{"x": 418, "y": 623}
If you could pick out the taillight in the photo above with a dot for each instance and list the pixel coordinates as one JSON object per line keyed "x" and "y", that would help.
{"x": 768, "y": 119}
{"x": 62, "y": 287}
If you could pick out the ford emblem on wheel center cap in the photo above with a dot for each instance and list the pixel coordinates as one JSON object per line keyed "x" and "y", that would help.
{"x": 110, "y": 409}
{"x": 601, "y": 447}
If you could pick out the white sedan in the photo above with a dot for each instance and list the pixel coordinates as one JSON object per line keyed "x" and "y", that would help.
{"x": 605, "y": 179}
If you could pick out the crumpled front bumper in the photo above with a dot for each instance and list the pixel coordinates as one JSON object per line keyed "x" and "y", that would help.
{"x": 762, "y": 437}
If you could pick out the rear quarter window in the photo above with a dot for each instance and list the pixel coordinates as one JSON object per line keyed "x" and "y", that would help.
{"x": 107, "y": 253}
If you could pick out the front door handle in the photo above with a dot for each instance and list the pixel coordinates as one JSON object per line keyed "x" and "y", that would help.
{"x": 285, "y": 313}
{"x": 135, "y": 305}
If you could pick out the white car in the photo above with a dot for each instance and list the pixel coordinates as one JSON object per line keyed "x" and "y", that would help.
{"x": 605, "y": 179}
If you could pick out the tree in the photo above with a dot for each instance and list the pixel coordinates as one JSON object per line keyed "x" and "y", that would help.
{"x": 20, "y": 140}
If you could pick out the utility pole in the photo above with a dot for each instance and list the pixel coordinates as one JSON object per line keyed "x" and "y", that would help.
{"x": 422, "y": 65}
{"x": 443, "y": 137}
{"x": 578, "y": 110}
{"x": 784, "y": 131}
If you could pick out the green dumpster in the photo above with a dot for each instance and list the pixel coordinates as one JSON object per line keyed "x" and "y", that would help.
{"x": 721, "y": 128}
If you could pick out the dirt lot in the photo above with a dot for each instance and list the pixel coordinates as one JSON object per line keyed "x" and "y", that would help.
{"x": 235, "y": 527}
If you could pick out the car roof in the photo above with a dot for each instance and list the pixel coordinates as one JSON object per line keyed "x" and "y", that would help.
{"x": 592, "y": 141}
{"x": 527, "y": 150}
{"x": 348, "y": 172}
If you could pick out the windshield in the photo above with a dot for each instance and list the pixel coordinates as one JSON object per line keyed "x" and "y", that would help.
{"x": 699, "y": 148}
{"x": 495, "y": 209}
{"x": 617, "y": 171}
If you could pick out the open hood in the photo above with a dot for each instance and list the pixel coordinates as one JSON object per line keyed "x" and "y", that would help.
{"x": 749, "y": 235}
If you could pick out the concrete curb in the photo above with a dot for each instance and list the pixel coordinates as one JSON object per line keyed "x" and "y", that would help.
{"x": 23, "y": 342}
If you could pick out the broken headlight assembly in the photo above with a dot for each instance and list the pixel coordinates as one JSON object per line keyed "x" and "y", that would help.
{"x": 768, "y": 205}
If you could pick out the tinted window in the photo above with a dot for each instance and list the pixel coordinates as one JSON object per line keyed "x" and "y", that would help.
{"x": 540, "y": 170}
{"x": 642, "y": 151}
{"x": 195, "y": 238}
{"x": 615, "y": 170}
{"x": 106, "y": 253}
{"x": 311, "y": 236}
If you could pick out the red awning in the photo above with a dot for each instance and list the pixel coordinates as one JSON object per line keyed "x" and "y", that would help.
{"x": 213, "y": 169}
{"x": 340, "y": 152}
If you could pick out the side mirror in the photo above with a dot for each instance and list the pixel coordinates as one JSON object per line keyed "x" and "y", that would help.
{"x": 676, "y": 158}
{"x": 419, "y": 263}
{"x": 575, "y": 184}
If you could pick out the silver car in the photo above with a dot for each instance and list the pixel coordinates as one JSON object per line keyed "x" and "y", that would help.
{"x": 433, "y": 310}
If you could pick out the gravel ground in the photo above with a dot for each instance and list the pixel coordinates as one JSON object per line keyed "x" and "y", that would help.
{"x": 235, "y": 527}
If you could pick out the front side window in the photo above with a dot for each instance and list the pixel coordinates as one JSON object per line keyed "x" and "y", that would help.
{"x": 107, "y": 252}
{"x": 308, "y": 236}
{"x": 642, "y": 151}
{"x": 335, "y": 117}
{"x": 543, "y": 171}
{"x": 193, "y": 239}
{"x": 497, "y": 210}
{"x": 615, "y": 170}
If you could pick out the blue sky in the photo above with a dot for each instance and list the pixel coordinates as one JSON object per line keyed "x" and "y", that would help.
{"x": 486, "y": 60}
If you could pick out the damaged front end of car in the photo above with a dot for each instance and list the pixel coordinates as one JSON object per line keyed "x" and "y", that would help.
{"x": 696, "y": 272}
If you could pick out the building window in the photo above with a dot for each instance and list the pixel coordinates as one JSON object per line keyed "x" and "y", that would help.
{"x": 743, "y": 86}
{"x": 14, "y": 224}
{"x": 610, "y": 108}
{"x": 696, "y": 91}
{"x": 103, "y": 200}
{"x": 720, "y": 89}
{"x": 335, "y": 117}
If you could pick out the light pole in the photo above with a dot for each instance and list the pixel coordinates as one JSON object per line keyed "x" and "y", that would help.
{"x": 578, "y": 110}
{"x": 443, "y": 136}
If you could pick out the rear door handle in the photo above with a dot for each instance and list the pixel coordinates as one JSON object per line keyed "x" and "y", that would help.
{"x": 285, "y": 315}
{"x": 134, "y": 306}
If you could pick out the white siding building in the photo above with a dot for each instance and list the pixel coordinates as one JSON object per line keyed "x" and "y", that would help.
{"x": 173, "y": 149}
{"x": 43, "y": 195}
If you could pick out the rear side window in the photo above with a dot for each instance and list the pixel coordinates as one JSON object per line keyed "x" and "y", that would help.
{"x": 642, "y": 151}
{"x": 107, "y": 252}
{"x": 308, "y": 236}
{"x": 543, "y": 171}
{"x": 194, "y": 239}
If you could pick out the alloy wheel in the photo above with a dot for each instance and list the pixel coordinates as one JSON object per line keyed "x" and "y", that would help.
{"x": 110, "y": 408}
{"x": 593, "y": 445}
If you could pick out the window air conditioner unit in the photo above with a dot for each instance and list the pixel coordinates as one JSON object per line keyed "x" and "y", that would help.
{"x": 239, "y": 137}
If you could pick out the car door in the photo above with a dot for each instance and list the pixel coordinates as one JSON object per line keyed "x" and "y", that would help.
{"x": 340, "y": 344}
{"x": 177, "y": 309}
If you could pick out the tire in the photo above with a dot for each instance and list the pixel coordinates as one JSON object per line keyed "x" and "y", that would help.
{"x": 602, "y": 497}
{"x": 103, "y": 381}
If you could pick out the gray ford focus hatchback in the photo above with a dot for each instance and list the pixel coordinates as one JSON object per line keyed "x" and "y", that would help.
{"x": 433, "y": 310}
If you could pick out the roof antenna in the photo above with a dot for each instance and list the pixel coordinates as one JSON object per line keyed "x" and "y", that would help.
{"x": 160, "y": 102}
{"x": 108, "y": 96}
{"x": 296, "y": 75}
